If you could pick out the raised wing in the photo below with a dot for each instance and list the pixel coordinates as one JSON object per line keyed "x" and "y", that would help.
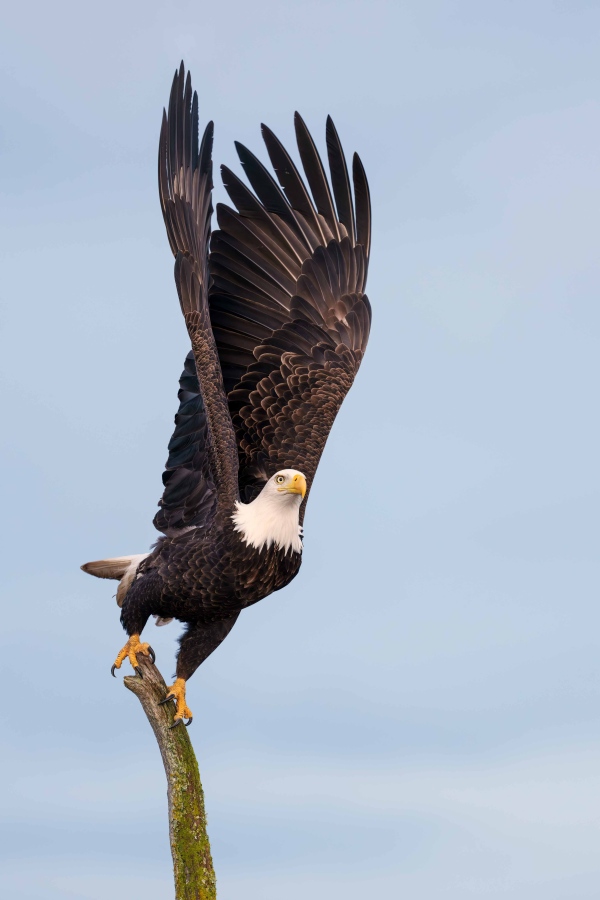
{"x": 287, "y": 303}
{"x": 202, "y": 465}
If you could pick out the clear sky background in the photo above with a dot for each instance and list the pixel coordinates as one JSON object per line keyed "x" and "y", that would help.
{"x": 417, "y": 715}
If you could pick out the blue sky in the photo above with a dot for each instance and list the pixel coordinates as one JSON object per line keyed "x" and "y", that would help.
{"x": 417, "y": 714}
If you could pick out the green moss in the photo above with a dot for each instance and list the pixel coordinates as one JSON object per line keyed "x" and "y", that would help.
{"x": 194, "y": 873}
{"x": 190, "y": 847}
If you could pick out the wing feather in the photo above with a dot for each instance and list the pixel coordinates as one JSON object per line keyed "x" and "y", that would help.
{"x": 339, "y": 179}
{"x": 289, "y": 314}
{"x": 272, "y": 197}
{"x": 203, "y": 460}
{"x": 363, "y": 205}
{"x": 189, "y": 497}
{"x": 291, "y": 182}
{"x": 315, "y": 174}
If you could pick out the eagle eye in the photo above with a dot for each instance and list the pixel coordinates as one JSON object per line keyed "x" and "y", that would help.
{"x": 280, "y": 479}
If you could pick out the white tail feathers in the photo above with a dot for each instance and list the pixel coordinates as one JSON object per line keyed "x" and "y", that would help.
{"x": 109, "y": 568}
{"x": 122, "y": 568}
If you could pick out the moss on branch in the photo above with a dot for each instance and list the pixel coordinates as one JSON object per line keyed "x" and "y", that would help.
{"x": 190, "y": 847}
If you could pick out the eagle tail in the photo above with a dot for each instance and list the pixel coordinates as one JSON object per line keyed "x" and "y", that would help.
{"x": 121, "y": 568}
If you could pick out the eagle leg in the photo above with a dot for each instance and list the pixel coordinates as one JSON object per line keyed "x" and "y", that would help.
{"x": 131, "y": 648}
{"x": 177, "y": 692}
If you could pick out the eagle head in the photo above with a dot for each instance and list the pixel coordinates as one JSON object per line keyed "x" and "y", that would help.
{"x": 273, "y": 516}
{"x": 287, "y": 481}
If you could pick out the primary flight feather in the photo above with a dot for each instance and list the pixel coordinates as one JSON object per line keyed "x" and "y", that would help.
{"x": 278, "y": 322}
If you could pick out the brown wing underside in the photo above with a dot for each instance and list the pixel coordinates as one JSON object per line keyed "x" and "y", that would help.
{"x": 288, "y": 309}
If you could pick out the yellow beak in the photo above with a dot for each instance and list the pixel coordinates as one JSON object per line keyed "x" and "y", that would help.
{"x": 296, "y": 486}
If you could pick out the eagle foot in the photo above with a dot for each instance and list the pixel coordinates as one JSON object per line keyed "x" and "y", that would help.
{"x": 131, "y": 648}
{"x": 177, "y": 693}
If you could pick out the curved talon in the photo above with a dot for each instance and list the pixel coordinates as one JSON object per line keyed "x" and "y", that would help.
{"x": 177, "y": 692}
{"x": 189, "y": 722}
{"x": 129, "y": 651}
{"x": 166, "y": 700}
{"x": 112, "y": 671}
{"x": 175, "y": 724}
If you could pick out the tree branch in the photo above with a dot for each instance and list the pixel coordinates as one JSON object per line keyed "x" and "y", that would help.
{"x": 192, "y": 862}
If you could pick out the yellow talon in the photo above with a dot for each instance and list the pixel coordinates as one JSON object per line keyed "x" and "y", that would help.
{"x": 177, "y": 692}
{"x": 131, "y": 648}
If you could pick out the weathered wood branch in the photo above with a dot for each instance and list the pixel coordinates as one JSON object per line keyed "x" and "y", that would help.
{"x": 192, "y": 861}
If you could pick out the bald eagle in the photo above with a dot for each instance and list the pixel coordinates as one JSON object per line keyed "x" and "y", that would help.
{"x": 278, "y": 321}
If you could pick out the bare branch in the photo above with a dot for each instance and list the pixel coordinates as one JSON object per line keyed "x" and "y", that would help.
{"x": 192, "y": 861}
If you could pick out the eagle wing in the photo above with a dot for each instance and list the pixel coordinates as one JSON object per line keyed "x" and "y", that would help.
{"x": 189, "y": 498}
{"x": 287, "y": 304}
{"x": 201, "y": 470}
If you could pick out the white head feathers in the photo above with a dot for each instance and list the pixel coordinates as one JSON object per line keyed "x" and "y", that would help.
{"x": 273, "y": 516}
